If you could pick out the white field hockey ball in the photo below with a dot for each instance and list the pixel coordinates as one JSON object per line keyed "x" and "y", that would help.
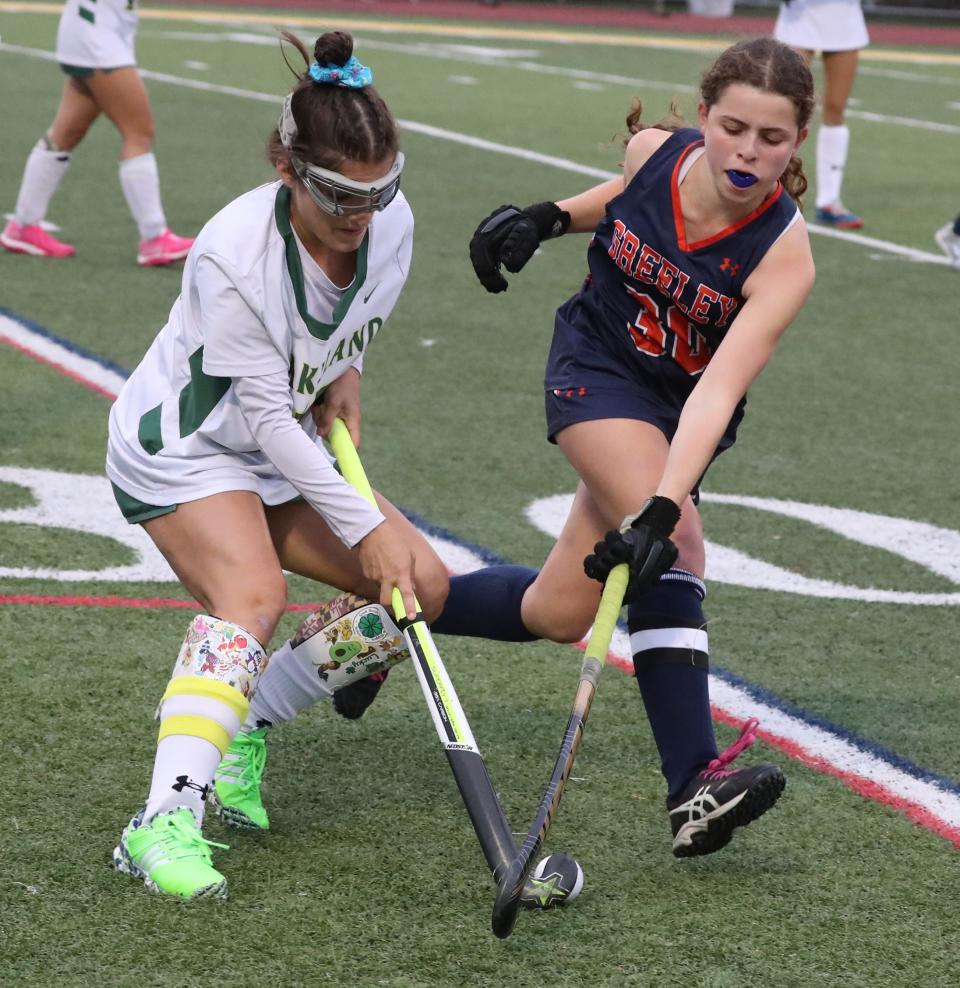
{"x": 557, "y": 880}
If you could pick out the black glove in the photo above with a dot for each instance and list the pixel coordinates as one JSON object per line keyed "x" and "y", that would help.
{"x": 644, "y": 545}
{"x": 509, "y": 236}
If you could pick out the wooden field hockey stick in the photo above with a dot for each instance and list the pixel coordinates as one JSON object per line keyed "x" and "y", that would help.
{"x": 469, "y": 769}
{"x": 510, "y": 888}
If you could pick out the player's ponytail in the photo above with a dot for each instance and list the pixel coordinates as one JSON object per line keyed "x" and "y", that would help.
{"x": 673, "y": 121}
{"x": 794, "y": 180}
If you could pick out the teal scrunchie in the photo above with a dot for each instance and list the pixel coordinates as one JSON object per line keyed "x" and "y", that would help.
{"x": 352, "y": 75}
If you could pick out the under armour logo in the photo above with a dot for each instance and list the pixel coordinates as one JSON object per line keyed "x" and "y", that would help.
{"x": 729, "y": 267}
{"x": 183, "y": 782}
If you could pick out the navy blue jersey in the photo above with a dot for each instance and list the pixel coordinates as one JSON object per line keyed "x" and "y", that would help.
{"x": 655, "y": 306}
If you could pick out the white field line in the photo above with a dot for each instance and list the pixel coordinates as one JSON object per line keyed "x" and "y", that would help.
{"x": 49, "y": 352}
{"x": 869, "y": 774}
{"x": 573, "y": 35}
{"x": 565, "y": 164}
{"x": 921, "y": 77}
{"x": 500, "y": 58}
{"x": 805, "y": 739}
{"x": 910, "y": 253}
{"x": 886, "y": 118}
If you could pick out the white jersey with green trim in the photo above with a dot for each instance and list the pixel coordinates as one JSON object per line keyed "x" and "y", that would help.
{"x": 97, "y": 34}
{"x": 180, "y": 431}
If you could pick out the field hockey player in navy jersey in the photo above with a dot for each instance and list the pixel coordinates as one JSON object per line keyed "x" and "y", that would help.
{"x": 698, "y": 263}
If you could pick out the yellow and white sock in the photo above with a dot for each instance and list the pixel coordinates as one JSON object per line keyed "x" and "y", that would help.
{"x": 205, "y": 702}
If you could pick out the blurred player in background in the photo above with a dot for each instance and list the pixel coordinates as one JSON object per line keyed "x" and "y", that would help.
{"x": 948, "y": 237}
{"x": 213, "y": 448}
{"x": 836, "y": 29}
{"x": 95, "y": 49}
{"x": 698, "y": 263}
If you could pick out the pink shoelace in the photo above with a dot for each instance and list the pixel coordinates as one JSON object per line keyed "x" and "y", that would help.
{"x": 717, "y": 769}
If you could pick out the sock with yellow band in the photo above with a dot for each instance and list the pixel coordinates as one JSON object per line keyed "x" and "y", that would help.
{"x": 203, "y": 707}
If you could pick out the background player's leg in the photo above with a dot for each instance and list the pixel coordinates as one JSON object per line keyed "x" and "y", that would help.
{"x": 123, "y": 97}
{"x": 833, "y": 140}
{"x": 46, "y": 167}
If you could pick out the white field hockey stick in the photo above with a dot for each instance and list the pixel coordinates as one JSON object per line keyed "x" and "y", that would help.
{"x": 466, "y": 762}
{"x": 510, "y": 888}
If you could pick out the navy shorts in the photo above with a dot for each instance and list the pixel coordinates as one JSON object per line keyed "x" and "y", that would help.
{"x": 592, "y": 375}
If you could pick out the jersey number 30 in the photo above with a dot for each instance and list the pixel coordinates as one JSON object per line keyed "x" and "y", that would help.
{"x": 678, "y": 339}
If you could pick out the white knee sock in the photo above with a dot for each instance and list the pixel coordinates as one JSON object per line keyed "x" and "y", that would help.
{"x": 344, "y": 640}
{"x": 288, "y": 685}
{"x": 140, "y": 182}
{"x": 832, "y": 144}
{"x": 43, "y": 172}
{"x": 188, "y": 789}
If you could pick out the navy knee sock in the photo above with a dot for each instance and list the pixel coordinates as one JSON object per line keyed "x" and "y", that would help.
{"x": 486, "y": 604}
{"x": 668, "y": 638}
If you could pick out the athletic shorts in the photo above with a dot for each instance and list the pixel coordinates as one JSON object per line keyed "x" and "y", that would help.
{"x": 822, "y": 25}
{"x": 592, "y": 374}
{"x": 147, "y": 486}
{"x": 96, "y": 34}
{"x": 136, "y": 512}
{"x": 82, "y": 72}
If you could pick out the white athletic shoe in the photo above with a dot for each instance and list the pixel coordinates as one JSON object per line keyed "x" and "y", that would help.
{"x": 949, "y": 243}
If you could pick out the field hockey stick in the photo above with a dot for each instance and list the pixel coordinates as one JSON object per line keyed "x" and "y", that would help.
{"x": 510, "y": 889}
{"x": 469, "y": 769}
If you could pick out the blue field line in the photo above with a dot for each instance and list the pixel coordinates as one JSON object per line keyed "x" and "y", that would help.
{"x": 35, "y": 327}
{"x": 762, "y": 695}
{"x": 756, "y": 692}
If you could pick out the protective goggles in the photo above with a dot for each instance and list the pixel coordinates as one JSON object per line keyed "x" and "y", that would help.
{"x": 340, "y": 196}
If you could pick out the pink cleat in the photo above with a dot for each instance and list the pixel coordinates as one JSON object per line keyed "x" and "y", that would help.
{"x": 163, "y": 249}
{"x": 33, "y": 240}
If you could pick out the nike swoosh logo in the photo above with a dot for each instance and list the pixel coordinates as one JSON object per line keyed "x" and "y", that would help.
{"x": 367, "y": 297}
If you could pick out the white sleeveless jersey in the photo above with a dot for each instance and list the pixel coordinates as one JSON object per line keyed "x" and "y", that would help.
{"x": 97, "y": 34}
{"x": 176, "y": 431}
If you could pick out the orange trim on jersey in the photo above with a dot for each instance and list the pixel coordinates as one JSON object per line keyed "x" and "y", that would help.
{"x": 726, "y": 231}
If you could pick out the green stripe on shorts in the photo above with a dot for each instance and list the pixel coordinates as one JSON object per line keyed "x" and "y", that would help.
{"x": 77, "y": 71}
{"x": 84, "y": 71}
{"x": 139, "y": 511}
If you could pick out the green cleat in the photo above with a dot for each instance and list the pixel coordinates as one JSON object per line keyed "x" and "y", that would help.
{"x": 171, "y": 855}
{"x": 236, "y": 784}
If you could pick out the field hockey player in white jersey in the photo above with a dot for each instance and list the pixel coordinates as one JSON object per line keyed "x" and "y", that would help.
{"x": 95, "y": 49}
{"x": 213, "y": 447}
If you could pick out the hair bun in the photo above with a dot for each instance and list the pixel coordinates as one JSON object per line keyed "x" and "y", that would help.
{"x": 333, "y": 48}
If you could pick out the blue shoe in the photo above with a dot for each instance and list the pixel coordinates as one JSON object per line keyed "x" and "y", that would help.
{"x": 838, "y": 217}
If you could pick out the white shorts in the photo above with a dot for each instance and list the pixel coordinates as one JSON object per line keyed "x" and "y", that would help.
{"x": 158, "y": 482}
{"x": 822, "y": 25}
{"x": 97, "y": 34}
